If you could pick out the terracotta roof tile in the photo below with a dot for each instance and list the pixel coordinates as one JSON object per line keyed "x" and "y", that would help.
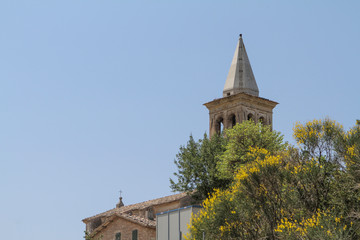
{"x": 139, "y": 206}
{"x": 137, "y": 219}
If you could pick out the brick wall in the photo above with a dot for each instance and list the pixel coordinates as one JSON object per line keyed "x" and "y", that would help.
{"x": 126, "y": 227}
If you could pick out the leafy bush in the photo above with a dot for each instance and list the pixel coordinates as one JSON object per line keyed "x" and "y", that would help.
{"x": 306, "y": 192}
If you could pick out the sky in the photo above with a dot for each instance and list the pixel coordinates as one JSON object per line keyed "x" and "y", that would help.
{"x": 98, "y": 96}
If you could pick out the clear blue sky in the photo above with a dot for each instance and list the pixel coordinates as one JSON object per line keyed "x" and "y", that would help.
{"x": 97, "y": 96}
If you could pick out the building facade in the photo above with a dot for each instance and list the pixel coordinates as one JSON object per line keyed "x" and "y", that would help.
{"x": 133, "y": 222}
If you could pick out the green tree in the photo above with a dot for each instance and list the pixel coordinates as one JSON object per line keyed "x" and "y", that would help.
{"x": 196, "y": 163}
{"x": 240, "y": 139}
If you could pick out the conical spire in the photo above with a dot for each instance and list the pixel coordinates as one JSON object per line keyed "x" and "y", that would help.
{"x": 241, "y": 77}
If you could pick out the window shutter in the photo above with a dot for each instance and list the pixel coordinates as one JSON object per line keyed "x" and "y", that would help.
{"x": 135, "y": 235}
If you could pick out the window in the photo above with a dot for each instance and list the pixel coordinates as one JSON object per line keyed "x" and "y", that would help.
{"x": 250, "y": 117}
{"x": 118, "y": 236}
{"x": 134, "y": 235}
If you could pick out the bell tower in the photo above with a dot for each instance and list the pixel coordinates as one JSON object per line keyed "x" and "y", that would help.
{"x": 240, "y": 101}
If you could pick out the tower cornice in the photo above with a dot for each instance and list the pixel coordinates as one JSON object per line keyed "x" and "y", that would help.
{"x": 239, "y": 98}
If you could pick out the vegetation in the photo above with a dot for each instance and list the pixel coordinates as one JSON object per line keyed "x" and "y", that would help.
{"x": 308, "y": 191}
{"x": 196, "y": 163}
{"x": 210, "y": 163}
{"x": 240, "y": 140}
{"x": 88, "y": 236}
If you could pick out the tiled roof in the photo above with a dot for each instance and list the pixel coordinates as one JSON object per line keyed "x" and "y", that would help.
{"x": 137, "y": 219}
{"x": 142, "y": 205}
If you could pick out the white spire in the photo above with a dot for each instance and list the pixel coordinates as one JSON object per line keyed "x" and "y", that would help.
{"x": 241, "y": 77}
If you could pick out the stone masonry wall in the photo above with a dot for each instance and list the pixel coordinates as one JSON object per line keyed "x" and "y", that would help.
{"x": 125, "y": 228}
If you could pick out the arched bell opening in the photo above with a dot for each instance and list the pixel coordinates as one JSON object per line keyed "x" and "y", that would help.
{"x": 219, "y": 127}
{"x": 262, "y": 120}
{"x": 232, "y": 120}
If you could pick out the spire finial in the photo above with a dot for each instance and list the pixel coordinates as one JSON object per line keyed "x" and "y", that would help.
{"x": 240, "y": 35}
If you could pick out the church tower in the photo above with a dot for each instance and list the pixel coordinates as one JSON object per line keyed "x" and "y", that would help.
{"x": 240, "y": 101}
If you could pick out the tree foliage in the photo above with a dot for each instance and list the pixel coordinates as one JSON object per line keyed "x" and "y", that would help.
{"x": 241, "y": 139}
{"x": 196, "y": 163}
{"x": 210, "y": 163}
{"x": 306, "y": 192}
{"x": 89, "y": 236}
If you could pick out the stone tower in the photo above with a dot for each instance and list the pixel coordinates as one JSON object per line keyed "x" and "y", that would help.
{"x": 240, "y": 101}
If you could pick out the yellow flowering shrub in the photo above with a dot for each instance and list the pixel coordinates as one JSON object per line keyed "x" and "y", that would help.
{"x": 234, "y": 211}
{"x": 352, "y": 146}
{"x": 305, "y": 192}
{"x": 318, "y": 137}
{"x": 321, "y": 225}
